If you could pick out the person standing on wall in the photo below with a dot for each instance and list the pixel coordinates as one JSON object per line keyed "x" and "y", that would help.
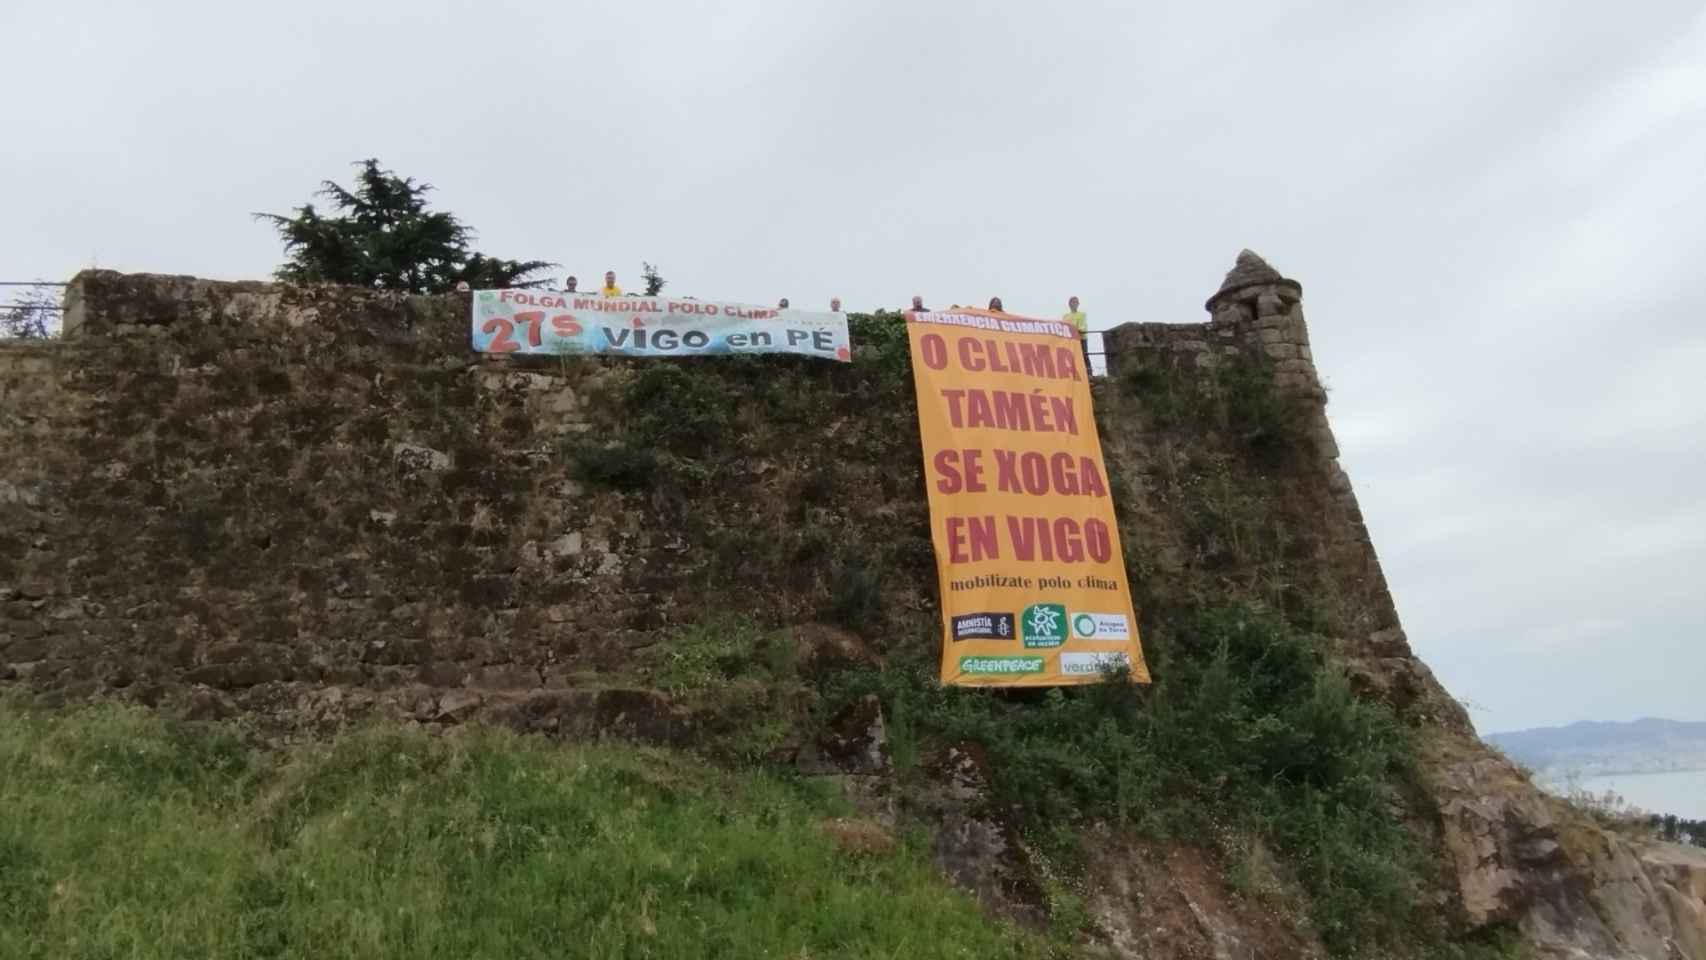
{"x": 1080, "y": 322}
{"x": 995, "y": 304}
{"x": 610, "y": 287}
{"x": 571, "y": 284}
{"x": 834, "y": 304}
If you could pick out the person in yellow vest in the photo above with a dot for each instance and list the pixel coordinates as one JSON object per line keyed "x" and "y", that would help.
{"x": 610, "y": 287}
{"x": 1081, "y": 323}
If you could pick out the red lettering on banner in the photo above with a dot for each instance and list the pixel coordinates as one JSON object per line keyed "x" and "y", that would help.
{"x": 971, "y": 539}
{"x": 532, "y": 299}
{"x": 1026, "y": 544}
{"x": 1007, "y": 471}
{"x": 950, "y": 464}
{"x": 565, "y": 325}
{"x": 749, "y": 313}
{"x": 1010, "y": 410}
{"x": 953, "y": 397}
{"x": 501, "y": 342}
{"x": 1100, "y": 541}
{"x": 1040, "y": 360}
{"x": 933, "y": 350}
{"x": 968, "y": 354}
{"x": 532, "y": 319}
{"x": 978, "y": 411}
{"x": 1033, "y": 472}
{"x": 1036, "y": 359}
{"x": 1066, "y": 361}
{"x": 1063, "y": 415}
{"x": 1061, "y": 539}
{"x": 1066, "y": 540}
{"x": 1060, "y": 473}
{"x": 1039, "y": 413}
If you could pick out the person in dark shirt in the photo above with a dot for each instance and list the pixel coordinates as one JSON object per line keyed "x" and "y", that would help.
{"x": 918, "y": 303}
{"x": 571, "y": 284}
{"x": 995, "y": 304}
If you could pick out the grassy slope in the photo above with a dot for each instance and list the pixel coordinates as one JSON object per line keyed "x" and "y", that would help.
{"x": 123, "y": 836}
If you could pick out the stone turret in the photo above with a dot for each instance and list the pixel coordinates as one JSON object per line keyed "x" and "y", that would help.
{"x": 1255, "y": 297}
{"x": 1256, "y": 312}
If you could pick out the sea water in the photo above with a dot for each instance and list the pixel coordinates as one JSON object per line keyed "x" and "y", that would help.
{"x": 1682, "y": 792}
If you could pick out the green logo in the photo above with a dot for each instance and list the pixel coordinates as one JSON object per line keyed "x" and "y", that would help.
{"x": 1084, "y": 625}
{"x": 1000, "y": 665}
{"x": 1043, "y": 625}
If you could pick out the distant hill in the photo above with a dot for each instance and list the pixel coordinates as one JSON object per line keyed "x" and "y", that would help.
{"x": 1593, "y": 748}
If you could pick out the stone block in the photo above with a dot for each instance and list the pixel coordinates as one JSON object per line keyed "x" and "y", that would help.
{"x": 443, "y": 674}
{"x": 417, "y": 459}
{"x": 26, "y": 649}
{"x": 1280, "y": 351}
{"x": 233, "y": 676}
{"x": 505, "y": 676}
{"x": 1232, "y": 313}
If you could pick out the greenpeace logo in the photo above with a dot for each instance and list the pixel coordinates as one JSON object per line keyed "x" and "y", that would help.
{"x": 1085, "y": 664}
{"x": 1001, "y": 665}
{"x": 983, "y": 626}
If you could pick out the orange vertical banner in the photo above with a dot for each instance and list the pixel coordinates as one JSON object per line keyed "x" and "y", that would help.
{"x": 1032, "y": 579}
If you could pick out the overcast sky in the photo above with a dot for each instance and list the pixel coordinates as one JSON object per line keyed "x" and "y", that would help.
{"x": 1497, "y": 211}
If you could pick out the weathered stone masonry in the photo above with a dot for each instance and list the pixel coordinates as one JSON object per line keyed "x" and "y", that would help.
{"x": 308, "y": 503}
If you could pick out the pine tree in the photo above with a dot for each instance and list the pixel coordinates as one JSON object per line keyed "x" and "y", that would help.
{"x": 383, "y": 236}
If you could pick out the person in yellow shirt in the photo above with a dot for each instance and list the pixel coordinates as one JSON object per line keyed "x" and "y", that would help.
{"x": 1081, "y": 323}
{"x": 610, "y": 287}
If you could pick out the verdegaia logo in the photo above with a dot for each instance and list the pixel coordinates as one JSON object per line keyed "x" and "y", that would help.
{"x": 1043, "y": 625}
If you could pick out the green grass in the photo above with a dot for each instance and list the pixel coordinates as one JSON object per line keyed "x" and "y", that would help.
{"x": 124, "y": 836}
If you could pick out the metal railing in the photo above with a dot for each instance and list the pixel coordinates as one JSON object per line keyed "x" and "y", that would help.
{"x": 41, "y": 307}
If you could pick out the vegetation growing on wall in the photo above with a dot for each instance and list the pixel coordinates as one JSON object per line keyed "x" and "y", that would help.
{"x": 1246, "y": 731}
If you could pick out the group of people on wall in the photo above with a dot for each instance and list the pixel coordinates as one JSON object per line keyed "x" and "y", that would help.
{"x": 1074, "y": 315}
